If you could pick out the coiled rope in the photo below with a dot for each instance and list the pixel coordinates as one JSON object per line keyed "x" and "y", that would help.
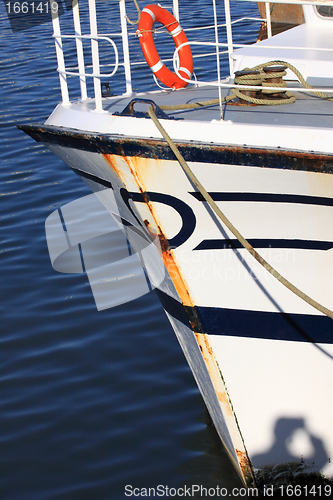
{"x": 259, "y": 78}
{"x": 230, "y": 226}
{"x": 261, "y": 82}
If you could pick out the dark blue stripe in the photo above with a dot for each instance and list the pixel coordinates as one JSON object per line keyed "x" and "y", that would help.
{"x": 186, "y": 213}
{"x": 81, "y": 257}
{"x": 267, "y": 325}
{"x": 267, "y": 198}
{"x": 91, "y": 177}
{"x": 251, "y": 324}
{"x": 223, "y": 244}
{"x": 173, "y": 307}
{"x": 191, "y": 151}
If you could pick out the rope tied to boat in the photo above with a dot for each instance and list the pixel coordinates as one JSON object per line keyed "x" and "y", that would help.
{"x": 267, "y": 76}
{"x": 242, "y": 81}
{"x": 280, "y": 86}
{"x": 299, "y": 75}
{"x": 229, "y": 225}
{"x": 156, "y": 30}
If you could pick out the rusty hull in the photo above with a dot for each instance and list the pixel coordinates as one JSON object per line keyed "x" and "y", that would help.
{"x": 191, "y": 151}
{"x": 133, "y": 150}
{"x": 180, "y": 284}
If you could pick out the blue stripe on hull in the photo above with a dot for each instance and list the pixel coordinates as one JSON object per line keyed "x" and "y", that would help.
{"x": 254, "y": 324}
{"x": 192, "y": 152}
{"x": 267, "y": 325}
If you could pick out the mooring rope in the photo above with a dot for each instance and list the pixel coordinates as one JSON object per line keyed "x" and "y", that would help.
{"x": 259, "y": 78}
{"x": 299, "y": 75}
{"x": 243, "y": 80}
{"x": 230, "y": 226}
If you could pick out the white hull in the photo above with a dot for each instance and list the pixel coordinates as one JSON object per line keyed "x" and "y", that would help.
{"x": 262, "y": 357}
{"x": 280, "y": 398}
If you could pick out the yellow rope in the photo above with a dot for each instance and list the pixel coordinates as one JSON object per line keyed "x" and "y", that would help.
{"x": 230, "y": 226}
{"x": 197, "y": 104}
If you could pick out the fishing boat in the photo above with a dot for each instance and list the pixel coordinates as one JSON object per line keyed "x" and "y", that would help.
{"x": 228, "y": 169}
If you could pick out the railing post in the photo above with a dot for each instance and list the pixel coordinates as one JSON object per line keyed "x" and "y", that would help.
{"x": 95, "y": 55}
{"x": 218, "y": 57}
{"x": 127, "y": 64}
{"x": 176, "y": 9}
{"x": 79, "y": 48}
{"x": 268, "y": 20}
{"x": 229, "y": 34}
{"x": 59, "y": 52}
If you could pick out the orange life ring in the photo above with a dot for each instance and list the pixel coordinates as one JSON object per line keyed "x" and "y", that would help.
{"x": 149, "y": 15}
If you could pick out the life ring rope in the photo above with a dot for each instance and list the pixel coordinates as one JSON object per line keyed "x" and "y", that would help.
{"x": 154, "y": 13}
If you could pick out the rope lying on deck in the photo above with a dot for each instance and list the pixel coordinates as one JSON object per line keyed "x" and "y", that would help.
{"x": 268, "y": 102}
{"x": 230, "y": 226}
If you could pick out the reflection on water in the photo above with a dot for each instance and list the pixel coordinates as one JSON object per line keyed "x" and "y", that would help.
{"x": 89, "y": 401}
{"x": 211, "y": 467}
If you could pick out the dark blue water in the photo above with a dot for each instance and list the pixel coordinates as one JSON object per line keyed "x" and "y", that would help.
{"x": 89, "y": 401}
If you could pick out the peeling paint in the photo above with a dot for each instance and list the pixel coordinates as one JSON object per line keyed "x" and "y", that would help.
{"x": 141, "y": 148}
{"x": 136, "y": 170}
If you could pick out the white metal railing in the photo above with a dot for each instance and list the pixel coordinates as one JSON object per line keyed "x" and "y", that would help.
{"x": 94, "y": 37}
{"x": 81, "y": 65}
{"x": 248, "y": 87}
{"x": 218, "y": 48}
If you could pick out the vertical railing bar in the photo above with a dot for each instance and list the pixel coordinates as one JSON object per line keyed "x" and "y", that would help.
{"x": 268, "y": 19}
{"x": 218, "y": 58}
{"x": 127, "y": 63}
{"x": 79, "y": 48}
{"x": 95, "y": 55}
{"x": 59, "y": 52}
{"x": 176, "y": 9}
{"x": 229, "y": 34}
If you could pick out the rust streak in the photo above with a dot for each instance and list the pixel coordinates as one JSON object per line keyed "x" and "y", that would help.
{"x": 167, "y": 254}
{"x": 180, "y": 284}
{"x": 113, "y": 165}
{"x": 245, "y": 465}
{"x": 223, "y": 398}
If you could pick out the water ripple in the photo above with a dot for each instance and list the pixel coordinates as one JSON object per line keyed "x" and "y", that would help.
{"x": 89, "y": 401}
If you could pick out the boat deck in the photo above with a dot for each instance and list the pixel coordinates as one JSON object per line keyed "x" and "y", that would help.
{"x": 308, "y": 110}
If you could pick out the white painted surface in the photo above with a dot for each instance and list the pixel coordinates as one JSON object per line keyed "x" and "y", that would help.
{"x": 233, "y": 279}
{"x": 274, "y": 386}
{"x": 282, "y": 398}
{"x": 262, "y": 135}
{"x": 307, "y": 47}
